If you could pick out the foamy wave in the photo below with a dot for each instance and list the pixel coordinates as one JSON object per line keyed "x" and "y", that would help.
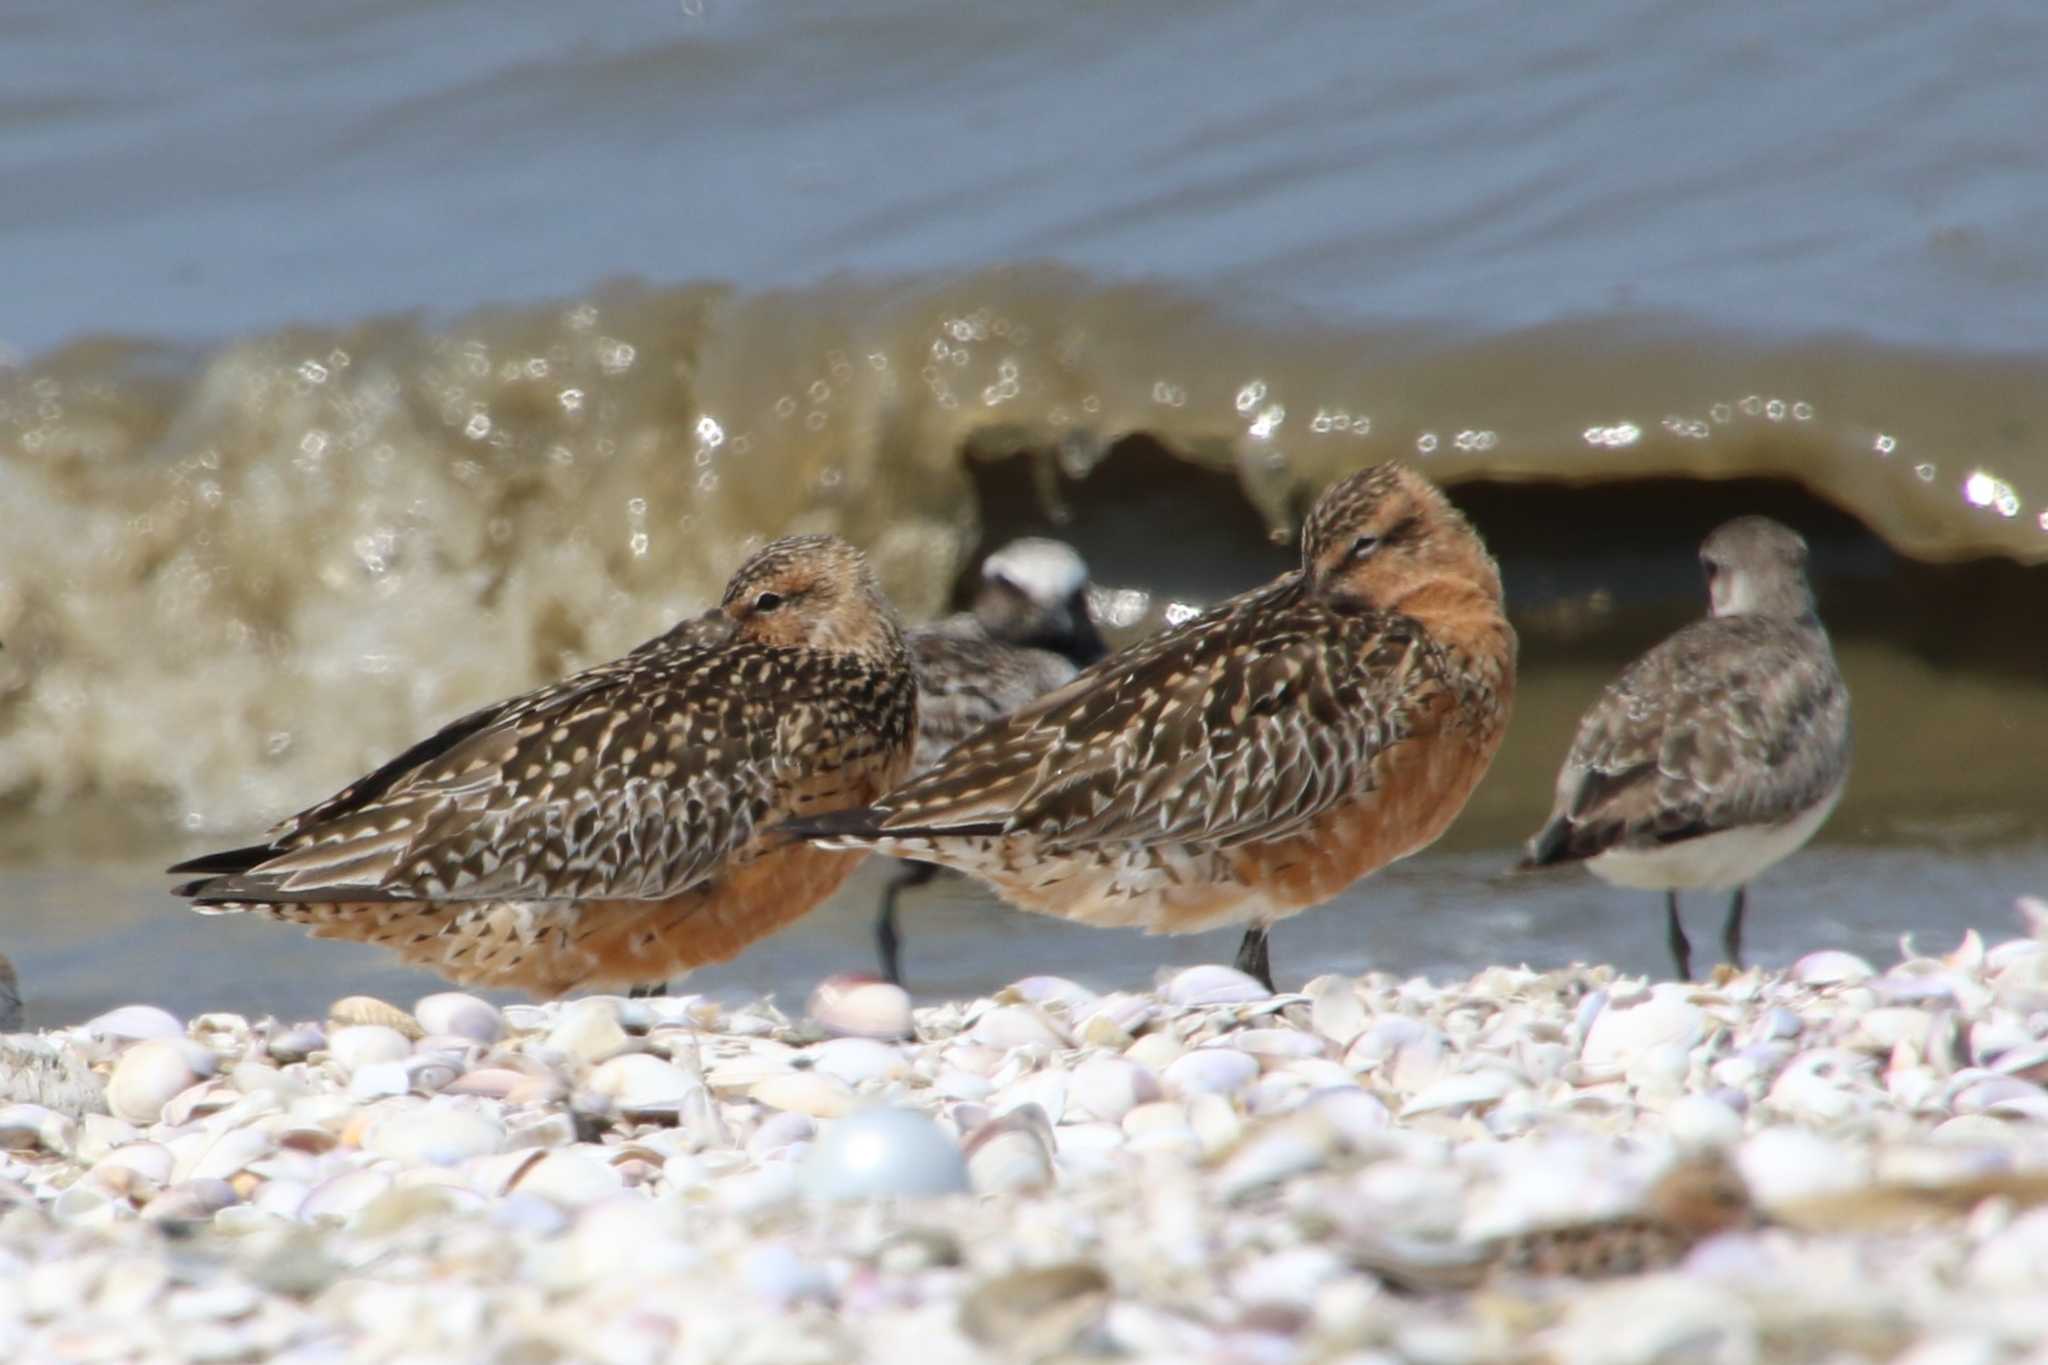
{"x": 235, "y": 579}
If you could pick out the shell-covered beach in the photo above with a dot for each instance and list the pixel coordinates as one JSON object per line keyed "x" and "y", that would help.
{"x": 1366, "y": 1170}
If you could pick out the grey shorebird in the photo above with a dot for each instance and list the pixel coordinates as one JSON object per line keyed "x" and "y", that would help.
{"x": 606, "y": 830}
{"x": 1251, "y": 762}
{"x": 1028, "y": 631}
{"x": 1719, "y": 752}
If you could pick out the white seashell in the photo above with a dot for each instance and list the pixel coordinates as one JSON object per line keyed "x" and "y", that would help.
{"x": 229, "y": 1155}
{"x": 1887, "y": 1026}
{"x": 25, "y": 1127}
{"x": 1155, "y": 1051}
{"x": 761, "y": 1191}
{"x": 342, "y": 1197}
{"x": 1008, "y": 1026}
{"x": 1460, "y": 1094}
{"x": 779, "y": 1131}
{"x": 955, "y": 1084}
{"x": 490, "y": 1082}
{"x": 640, "y": 1085}
{"x": 1213, "y": 984}
{"x": 805, "y": 1092}
{"x": 1278, "y": 1152}
{"x": 2001, "y": 1095}
{"x": 858, "y": 1060}
{"x": 1046, "y": 1090}
{"x": 148, "y": 1076}
{"x": 369, "y": 1010}
{"x": 1831, "y": 967}
{"x": 1973, "y": 1130}
{"x": 1070, "y": 997}
{"x": 1280, "y": 1044}
{"x": 588, "y": 1031}
{"x": 1355, "y": 1114}
{"x": 151, "y": 1161}
{"x": 135, "y": 1023}
{"x": 862, "y": 1007}
{"x": 1215, "y": 1121}
{"x": 379, "y": 1080}
{"x": 1824, "y": 1085}
{"x": 438, "y": 1134}
{"x": 1696, "y": 1121}
{"x": 880, "y": 1153}
{"x": 1660, "y": 1070}
{"x": 1158, "y": 1116}
{"x": 461, "y": 1015}
{"x": 1107, "y": 1088}
{"x": 1209, "y": 1071}
{"x": 1336, "y": 1010}
{"x": 528, "y": 1018}
{"x": 1783, "y": 1163}
{"x": 569, "y": 1177}
{"x": 87, "y": 1205}
{"x": 1620, "y": 1033}
{"x": 100, "y": 1134}
{"x": 1120, "y": 1011}
{"x": 780, "y": 1277}
{"x": 1005, "y": 1158}
{"x": 296, "y": 1043}
{"x": 358, "y": 1045}
{"x": 1288, "y": 1279}
{"x": 190, "y": 1201}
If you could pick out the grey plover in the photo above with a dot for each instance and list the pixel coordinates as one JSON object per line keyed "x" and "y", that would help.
{"x": 1029, "y": 630}
{"x": 1720, "y": 751}
{"x": 605, "y": 830}
{"x": 1250, "y": 762}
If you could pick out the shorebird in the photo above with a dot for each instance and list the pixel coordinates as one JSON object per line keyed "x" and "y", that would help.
{"x": 1697, "y": 1198}
{"x": 1027, "y": 632}
{"x": 1719, "y": 752}
{"x": 605, "y": 830}
{"x": 1251, "y": 762}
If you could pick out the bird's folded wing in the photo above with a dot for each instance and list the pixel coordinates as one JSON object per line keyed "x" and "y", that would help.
{"x": 1245, "y": 726}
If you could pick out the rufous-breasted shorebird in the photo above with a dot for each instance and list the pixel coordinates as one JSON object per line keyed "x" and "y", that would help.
{"x": 1720, "y": 751}
{"x": 1251, "y": 762}
{"x": 605, "y": 830}
{"x": 1027, "y": 632}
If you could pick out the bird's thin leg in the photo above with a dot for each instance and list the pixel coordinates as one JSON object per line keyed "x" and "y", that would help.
{"x": 1681, "y": 951}
{"x": 647, "y": 990}
{"x": 1252, "y": 958}
{"x": 888, "y": 942}
{"x": 1731, "y": 932}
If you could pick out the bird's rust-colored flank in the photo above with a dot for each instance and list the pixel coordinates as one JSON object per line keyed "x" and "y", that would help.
{"x": 606, "y": 830}
{"x": 1253, "y": 761}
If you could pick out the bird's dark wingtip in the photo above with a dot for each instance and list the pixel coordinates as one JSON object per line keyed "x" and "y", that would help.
{"x": 859, "y": 822}
{"x": 1550, "y": 847}
{"x": 226, "y": 862}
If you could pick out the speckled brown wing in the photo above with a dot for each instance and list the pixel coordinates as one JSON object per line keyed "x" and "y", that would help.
{"x": 1243, "y": 724}
{"x": 966, "y": 680}
{"x": 633, "y": 780}
{"x": 1733, "y": 721}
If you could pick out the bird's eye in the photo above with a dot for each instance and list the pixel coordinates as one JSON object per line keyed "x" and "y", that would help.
{"x": 768, "y": 601}
{"x": 1364, "y": 546}
{"x": 1710, "y": 568}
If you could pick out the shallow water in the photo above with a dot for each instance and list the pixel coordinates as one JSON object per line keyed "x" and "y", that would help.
{"x": 319, "y": 422}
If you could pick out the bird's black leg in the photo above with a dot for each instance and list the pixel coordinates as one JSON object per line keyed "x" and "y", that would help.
{"x": 647, "y": 990}
{"x": 887, "y": 941}
{"x": 1252, "y": 958}
{"x": 1731, "y": 932}
{"x": 1681, "y": 951}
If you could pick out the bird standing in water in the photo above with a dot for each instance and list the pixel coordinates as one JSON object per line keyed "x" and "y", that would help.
{"x": 606, "y": 830}
{"x": 1719, "y": 752}
{"x": 1028, "y": 631}
{"x": 1251, "y": 762}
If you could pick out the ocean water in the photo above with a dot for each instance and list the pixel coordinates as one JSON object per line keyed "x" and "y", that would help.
{"x": 360, "y": 365}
